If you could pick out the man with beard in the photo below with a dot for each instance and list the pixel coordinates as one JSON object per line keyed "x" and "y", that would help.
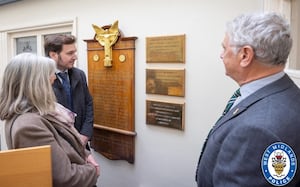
{"x": 71, "y": 87}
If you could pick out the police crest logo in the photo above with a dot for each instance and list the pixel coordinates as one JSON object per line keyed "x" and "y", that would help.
{"x": 279, "y": 164}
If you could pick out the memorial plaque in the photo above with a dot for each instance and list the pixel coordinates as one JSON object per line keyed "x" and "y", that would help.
{"x": 165, "y": 114}
{"x": 112, "y": 89}
{"x": 165, "y": 82}
{"x": 169, "y": 49}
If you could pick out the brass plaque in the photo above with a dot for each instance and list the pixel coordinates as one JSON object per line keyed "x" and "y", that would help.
{"x": 165, "y": 114}
{"x": 165, "y": 49}
{"x": 165, "y": 82}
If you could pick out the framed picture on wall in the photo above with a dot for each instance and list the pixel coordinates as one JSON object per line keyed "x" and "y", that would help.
{"x": 26, "y": 44}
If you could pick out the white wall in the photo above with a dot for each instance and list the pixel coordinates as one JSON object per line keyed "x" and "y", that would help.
{"x": 164, "y": 157}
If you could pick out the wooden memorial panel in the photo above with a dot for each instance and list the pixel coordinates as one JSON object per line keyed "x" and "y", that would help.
{"x": 111, "y": 143}
{"x": 112, "y": 89}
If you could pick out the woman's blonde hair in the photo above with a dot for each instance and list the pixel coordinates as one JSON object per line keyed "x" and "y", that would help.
{"x": 26, "y": 86}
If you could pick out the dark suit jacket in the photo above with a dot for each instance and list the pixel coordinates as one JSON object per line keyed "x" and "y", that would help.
{"x": 235, "y": 147}
{"x": 82, "y": 100}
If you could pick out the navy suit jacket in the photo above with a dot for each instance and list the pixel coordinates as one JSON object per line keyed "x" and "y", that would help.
{"x": 82, "y": 100}
{"x": 236, "y": 145}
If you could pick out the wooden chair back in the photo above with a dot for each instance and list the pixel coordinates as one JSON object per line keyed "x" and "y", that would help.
{"x": 26, "y": 167}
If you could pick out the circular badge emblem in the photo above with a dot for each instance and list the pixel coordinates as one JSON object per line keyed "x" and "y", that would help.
{"x": 279, "y": 164}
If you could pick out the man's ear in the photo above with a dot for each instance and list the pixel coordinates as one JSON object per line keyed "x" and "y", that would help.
{"x": 53, "y": 55}
{"x": 246, "y": 55}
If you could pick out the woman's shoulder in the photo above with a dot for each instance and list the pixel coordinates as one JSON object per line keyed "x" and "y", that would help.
{"x": 27, "y": 130}
{"x": 28, "y": 116}
{"x": 29, "y": 120}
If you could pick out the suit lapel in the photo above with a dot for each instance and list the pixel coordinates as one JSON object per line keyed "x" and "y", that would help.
{"x": 57, "y": 84}
{"x": 74, "y": 78}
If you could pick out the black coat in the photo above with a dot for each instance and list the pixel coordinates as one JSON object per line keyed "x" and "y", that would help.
{"x": 82, "y": 100}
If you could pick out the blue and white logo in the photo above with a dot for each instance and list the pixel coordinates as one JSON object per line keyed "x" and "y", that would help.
{"x": 279, "y": 164}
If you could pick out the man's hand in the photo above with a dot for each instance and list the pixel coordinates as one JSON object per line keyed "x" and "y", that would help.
{"x": 84, "y": 139}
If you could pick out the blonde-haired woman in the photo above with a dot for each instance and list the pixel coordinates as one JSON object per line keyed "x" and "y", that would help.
{"x": 33, "y": 118}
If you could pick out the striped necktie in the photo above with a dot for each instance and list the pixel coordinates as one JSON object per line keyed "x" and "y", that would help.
{"x": 67, "y": 88}
{"x": 231, "y": 101}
